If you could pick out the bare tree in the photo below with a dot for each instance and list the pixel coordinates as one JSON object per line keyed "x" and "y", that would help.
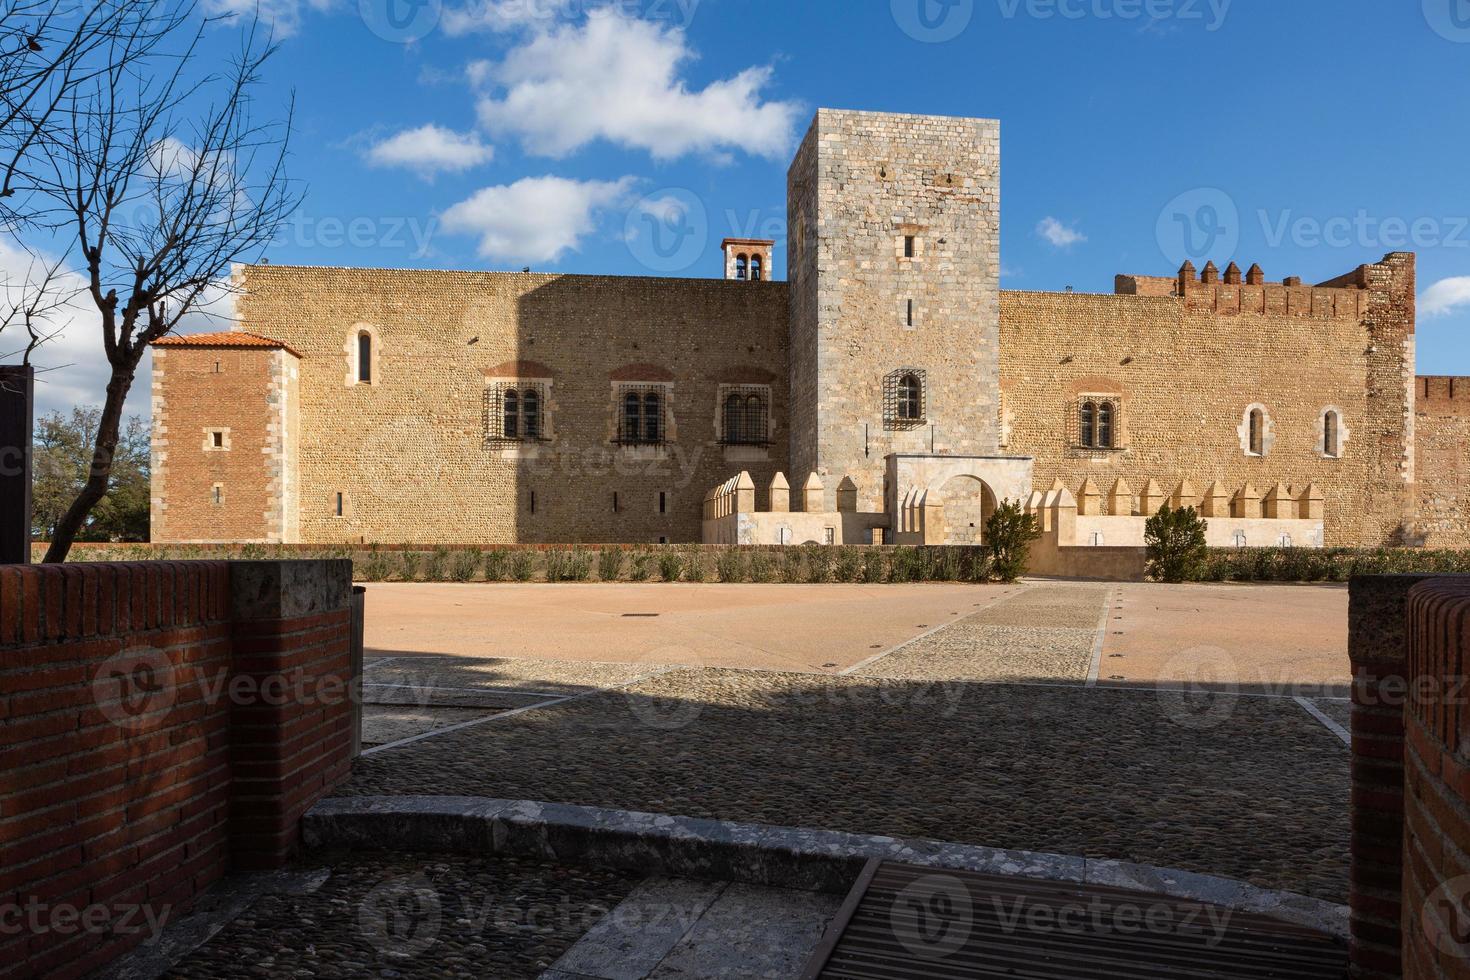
{"x": 161, "y": 181}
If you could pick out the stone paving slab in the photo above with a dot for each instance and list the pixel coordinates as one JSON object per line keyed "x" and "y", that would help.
{"x": 1338, "y": 709}
{"x": 383, "y": 724}
{"x": 1250, "y": 788}
{"x": 1049, "y": 605}
{"x": 975, "y": 651}
{"x": 553, "y": 677}
{"x": 413, "y": 917}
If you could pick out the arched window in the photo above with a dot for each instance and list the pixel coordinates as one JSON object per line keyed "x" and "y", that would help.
{"x": 531, "y": 412}
{"x": 1331, "y": 436}
{"x": 741, "y": 264}
{"x": 652, "y": 418}
{"x": 512, "y": 425}
{"x": 910, "y": 399}
{"x": 364, "y": 357}
{"x": 744, "y": 419}
{"x": 1086, "y": 419}
{"x": 1257, "y": 432}
{"x": 1105, "y": 425}
{"x": 755, "y": 268}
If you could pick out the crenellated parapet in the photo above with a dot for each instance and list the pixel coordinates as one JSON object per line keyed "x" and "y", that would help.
{"x": 732, "y": 516}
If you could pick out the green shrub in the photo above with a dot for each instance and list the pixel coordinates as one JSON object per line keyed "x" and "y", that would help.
{"x": 762, "y": 566}
{"x": 523, "y": 565}
{"x": 1175, "y": 542}
{"x": 464, "y": 566}
{"x": 791, "y": 566}
{"x": 436, "y": 566}
{"x": 610, "y": 564}
{"x": 670, "y": 565}
{"x": 945, "y": 564}
{"x": 849, "y": 565}
{"x": 905, "y": 565}
{"x": 377, "y": 566}
{"x": 574, "y": 565}
{"x": 730, "y": 565}
{"x": 875, "y": 565}
{"x": 408, "y": 566}
{"x": 497, "y": 565}
{"x": 1008, "y": 534}
{"x": 818, "y": 561}
{"x": 640, "y": 566}
{"x": 696, "y": 569}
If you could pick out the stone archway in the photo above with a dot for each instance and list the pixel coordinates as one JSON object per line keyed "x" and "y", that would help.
{"x": 966, "y": 502}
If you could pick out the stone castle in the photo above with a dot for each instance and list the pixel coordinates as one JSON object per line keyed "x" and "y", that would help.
{"x": 900, "y": 390}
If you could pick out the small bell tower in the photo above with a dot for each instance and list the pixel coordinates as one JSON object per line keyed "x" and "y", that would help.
{"x": 747, "y": 259}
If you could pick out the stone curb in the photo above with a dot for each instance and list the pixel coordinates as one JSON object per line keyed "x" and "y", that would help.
{"x": 783, "y": 857}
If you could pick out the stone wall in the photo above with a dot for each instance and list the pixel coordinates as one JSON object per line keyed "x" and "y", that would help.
{"x": 408, "y": 450}
{"x": 1185, "y": 370}
{"x": 866, "y": 190}
{"x": 1442, "y": 460}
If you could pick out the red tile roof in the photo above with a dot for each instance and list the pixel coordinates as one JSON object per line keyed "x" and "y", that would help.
{"x": 226, "y": 338}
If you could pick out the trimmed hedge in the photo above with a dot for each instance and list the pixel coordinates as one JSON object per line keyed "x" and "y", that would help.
{"x": 580, "y": 563}
{"x": 1326, "y": 564}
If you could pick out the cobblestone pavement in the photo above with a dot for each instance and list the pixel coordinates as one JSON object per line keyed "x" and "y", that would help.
{"x": 413, "y": 916}
{"x": 1041, "y": 634}
{"x": 1251, "y": 788}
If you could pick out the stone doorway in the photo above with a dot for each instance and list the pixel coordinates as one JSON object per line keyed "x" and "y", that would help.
{"x": 966, "y": 502}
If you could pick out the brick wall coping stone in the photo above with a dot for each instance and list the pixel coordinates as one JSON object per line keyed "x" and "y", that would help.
{"x": 786, "y": 857}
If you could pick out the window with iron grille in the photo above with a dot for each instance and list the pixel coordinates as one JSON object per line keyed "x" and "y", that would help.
{"x": 515, "y": 411}
{"x": 641, "y": 415}
{"x": 745, "y": 415}
{"x": 1098, "y": 422}
{"x": 905, "y": 399}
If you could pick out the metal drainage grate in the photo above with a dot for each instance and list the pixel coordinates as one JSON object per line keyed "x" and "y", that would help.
{"x": 909, "y": 923}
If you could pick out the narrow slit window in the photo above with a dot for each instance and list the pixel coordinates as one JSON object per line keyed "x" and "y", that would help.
{"x": 1257, "y": 432}
{"x": 615, "y": 501}
{"x": 908, "y": 246}
{"x": 1330, "y": 434}
{"x": 532, "y": 501}
{"x": 217, "y": 494}
{"x": 364, "y": 358}
{"x": 339, "y": 503}
{"x": 663, "y": 502}
{"x": 909, "y": 314}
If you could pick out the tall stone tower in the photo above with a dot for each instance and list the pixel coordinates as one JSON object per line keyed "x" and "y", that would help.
{"x": 893, "y": 262}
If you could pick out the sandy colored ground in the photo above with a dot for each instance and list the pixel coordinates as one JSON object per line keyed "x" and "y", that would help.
{"x": 1261, "y": 638}
{"x": 821, "y": 628}
{"x": 1281, "y": 639}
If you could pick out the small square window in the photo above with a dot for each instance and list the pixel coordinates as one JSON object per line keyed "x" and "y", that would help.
{"x": 829, "y": 535}
{"x": 217, "y": 439}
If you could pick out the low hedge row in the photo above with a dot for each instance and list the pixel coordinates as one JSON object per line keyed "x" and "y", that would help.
{"x": 1326, "y": 564}
{"x": 689, "y": 563}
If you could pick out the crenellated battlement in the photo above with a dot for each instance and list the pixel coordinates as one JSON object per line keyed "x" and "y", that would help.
{"x": 1348, "y": 297}
{"x": 1448, "y": 393}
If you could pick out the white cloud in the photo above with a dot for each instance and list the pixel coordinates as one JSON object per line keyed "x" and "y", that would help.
{"x": 1445, "y": 296}
{"x": 498, "y": 16}
{"x": 431, "y": 149}
{"x": 282, "y": 17}
{"x": 536, "y": 219}
{"x": 71, "y": 367}
{"x": 616, "y": 78}
{"x": 1057, "y": 234}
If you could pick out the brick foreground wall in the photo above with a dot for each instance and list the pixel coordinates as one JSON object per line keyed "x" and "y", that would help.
{"x": 161, "y": 723}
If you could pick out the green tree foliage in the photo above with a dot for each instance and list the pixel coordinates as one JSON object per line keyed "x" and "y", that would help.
{"x": 1009, "y": 533}
{"x": 1176, "y": 545}
{"x": 62, "y": 461}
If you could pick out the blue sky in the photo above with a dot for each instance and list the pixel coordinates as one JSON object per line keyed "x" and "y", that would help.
{"x": 1310, "y": 136}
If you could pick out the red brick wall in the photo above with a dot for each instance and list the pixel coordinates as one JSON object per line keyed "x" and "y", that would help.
{"x": 155, "y": 732}
{"x": 1436, "y": 874}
